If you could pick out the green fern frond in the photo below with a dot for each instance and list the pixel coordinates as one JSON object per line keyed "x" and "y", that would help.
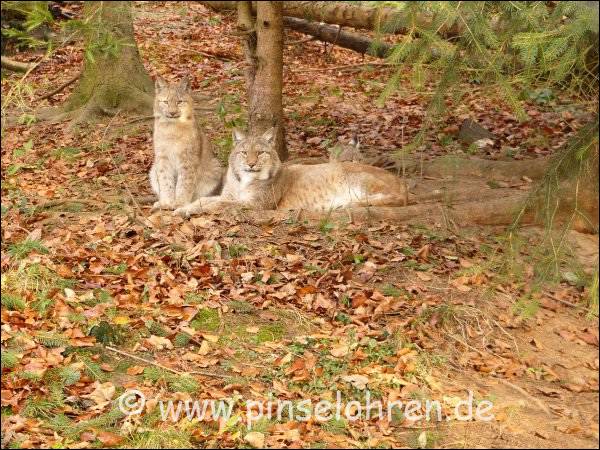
{"x": 51, "y": 340}
{"x": 107, "y": 333}
{"x": 9, "y": 359}
{"x": 12, "y": 302}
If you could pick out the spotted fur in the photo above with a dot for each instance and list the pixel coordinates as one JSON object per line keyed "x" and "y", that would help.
{"x": 257, "y": 179}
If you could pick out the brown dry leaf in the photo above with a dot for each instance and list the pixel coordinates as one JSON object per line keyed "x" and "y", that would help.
{"x": 255, "y": 439}
{"x": 159, "y": 342}
{"x": 424, "y": 276}
{"x": 109, "y": 439}
{"x": 102, "y": 394}
{"x": 204, "y": 348}
{"x": 212, "y": 338}
{"x": 423, "y": 253}
{"x": 107, "y": 367}
{"x": 298, "y": 364}
{"x": 358, "y": 381}
{"x": 135, "y": 370}
{"x": 339, "y": 350}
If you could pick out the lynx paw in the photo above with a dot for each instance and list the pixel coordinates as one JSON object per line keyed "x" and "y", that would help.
{"x": 184, "y": 211}
{"x": 158, "y": 205}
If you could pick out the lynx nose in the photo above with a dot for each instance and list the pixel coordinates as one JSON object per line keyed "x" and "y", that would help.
{"x": 251, "y": 160}
{"x": 173, "y": 114}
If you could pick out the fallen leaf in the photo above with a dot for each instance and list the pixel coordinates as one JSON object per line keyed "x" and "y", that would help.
{"x": 358, "y": 381}
{"x": 255, "y": 439}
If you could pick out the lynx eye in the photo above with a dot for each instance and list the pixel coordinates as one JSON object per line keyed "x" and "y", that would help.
{"x": 180, "y": 103}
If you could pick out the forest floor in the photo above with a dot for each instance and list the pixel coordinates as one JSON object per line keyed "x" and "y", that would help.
{"x": 99, "y": 296}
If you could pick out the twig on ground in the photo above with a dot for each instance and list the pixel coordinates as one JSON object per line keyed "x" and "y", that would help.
{"x": 324, "y": 275}
{"x": 144, "y": 360}
{"x": 301, "y": 41}
{"x": 564, "y": 302}
{"x": 199, "y": 52}
{"x": 62, "y": 201}
{"x": 138, "y": 119}
{"x": 471, "y": 347}
{"x": 523, "y": 392}
{"x": 169, "y": 369}
{"x": 344, "y": 67}
{"x": 60, "y": 88}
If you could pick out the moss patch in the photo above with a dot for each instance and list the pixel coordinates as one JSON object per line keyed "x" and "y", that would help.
{"x": 271, "y": 332}
{"x": 206, "y": 320}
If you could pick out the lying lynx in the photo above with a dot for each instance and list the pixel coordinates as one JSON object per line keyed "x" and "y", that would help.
{"x": 184, "y": 167}
{"x": 346, "y": 152}
{"x": 257, "y": 179}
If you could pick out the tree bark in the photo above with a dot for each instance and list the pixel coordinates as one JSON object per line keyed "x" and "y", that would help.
{"x": 337, "y": 36}
{"x": 265, "y": 109}
{"x": 113, "y": 78}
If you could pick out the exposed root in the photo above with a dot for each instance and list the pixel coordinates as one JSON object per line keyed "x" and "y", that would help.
{"x": 16, "y": 66}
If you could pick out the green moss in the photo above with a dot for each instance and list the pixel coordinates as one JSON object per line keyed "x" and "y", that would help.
{"x": 182, "y": 339}
{"x": 241, "y": 306}
{"x": 271, "y": 332}
{"x": 206, "y": 320}
{"x": 335, "y": 426}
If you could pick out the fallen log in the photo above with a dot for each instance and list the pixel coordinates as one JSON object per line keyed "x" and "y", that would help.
{"x": 498, "y": 211}
{"x": 335, "y": 35}
{"x": 346, "y": 14}
{"x": 454, "y": 167}
{"x": 15, "y": 66}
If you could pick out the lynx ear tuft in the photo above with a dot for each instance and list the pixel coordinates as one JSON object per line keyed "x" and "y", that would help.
{"x": 238, "y": 136}
{"x": 184, "y": 83}
{"x": 269, "y": 135}
{"x": 160, "y": 83}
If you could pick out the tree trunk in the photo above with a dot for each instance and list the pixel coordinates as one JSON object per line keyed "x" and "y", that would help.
{"x": 265, "y": 109}
{"x": 113, "y": 77}
{"x": 337, "y": 36}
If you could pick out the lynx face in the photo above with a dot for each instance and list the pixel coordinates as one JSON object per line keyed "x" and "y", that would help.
{"x": 254, "y": 158}
{"x": 173, "y": 101}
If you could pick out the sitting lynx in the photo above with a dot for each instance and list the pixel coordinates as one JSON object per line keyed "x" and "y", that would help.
{"x": 257, "y": 179}
{"x": 184, "y": 167}
{"x": 346, "y": 152}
